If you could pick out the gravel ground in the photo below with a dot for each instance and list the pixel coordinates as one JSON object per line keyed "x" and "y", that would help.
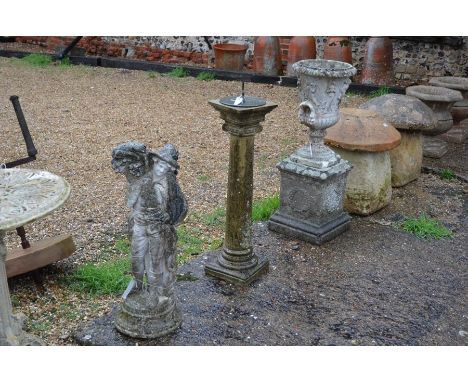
{"x": 372, "y": 285}
{"x": 77, "y": 114}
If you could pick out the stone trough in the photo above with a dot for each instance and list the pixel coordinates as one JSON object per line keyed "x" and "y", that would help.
{"x": 363, "y": 138}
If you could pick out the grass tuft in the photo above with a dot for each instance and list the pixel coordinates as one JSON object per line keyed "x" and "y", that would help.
{"x": 111, "y": 277}
{"x": 379, "y": 92}
{"x": 152, "y": 74}
{"x": 215, "y": 218}
{"x": 178, "y": 72}
{"x": 262, "y": 209}
{"x": 206, "y": 76}
{"x": 447, "y": 174}
{"x": 37, "y": 59}
{"x": 425, "y": 228}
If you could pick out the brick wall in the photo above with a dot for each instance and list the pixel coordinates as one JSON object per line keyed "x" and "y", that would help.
{"x": 416, "y": 61}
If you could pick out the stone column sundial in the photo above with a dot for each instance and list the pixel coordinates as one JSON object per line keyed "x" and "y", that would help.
{"x": 25, "y": 195}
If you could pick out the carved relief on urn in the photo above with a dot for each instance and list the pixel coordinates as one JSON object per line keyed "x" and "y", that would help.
{"x": 313, "y": 179}
{"x": 322, "y": 84}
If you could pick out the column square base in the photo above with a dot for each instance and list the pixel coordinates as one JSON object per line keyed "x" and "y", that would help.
{"x": 242, "y": 276}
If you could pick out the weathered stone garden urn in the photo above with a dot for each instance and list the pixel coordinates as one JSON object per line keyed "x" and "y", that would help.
{"x": 410, "y": 116}
{"x": 313, "y": 179}
{"x": 364, "y": 138}
{"x": 440, "y": 100}
{"x": 459, "y": 131}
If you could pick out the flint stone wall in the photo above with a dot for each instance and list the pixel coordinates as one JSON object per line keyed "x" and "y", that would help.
{"x": 415, "y": 61}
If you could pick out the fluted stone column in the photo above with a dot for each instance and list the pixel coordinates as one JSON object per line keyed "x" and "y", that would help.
{"x": 236, "y": 261}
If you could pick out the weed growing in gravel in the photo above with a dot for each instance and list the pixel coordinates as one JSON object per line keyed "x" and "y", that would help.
{"x": 262, "y": 209}
{"x": 65, "y": 62}
{"x": 37, "y": 59}
{"x": 206, "y": 76}
{"x": 152, "y": 74}
{"x": 379, "y": 92}
{"x": 178, "y": 72}
{"x": 447, "y": 174}
{"x": 216, "y": 218}
{"x": 204, "y": 178}
{"x": 111, "y": 277}
{"x": 122, "y": 245}
{"x": 189, "y": 241}
{"x": 425, "y": 228}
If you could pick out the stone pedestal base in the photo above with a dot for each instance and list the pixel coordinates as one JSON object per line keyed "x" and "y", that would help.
{"x": 236, "y": 275}
{"x": 296, "y": 228}
{"x": 434, "y": 147}
{"x": 18, "y": 337}
{"x": 136, "y": 318}
{"x": 406, "y": 159}
{"x": 457, "y": 134}
{"x": 311, "y": 202}
{"x": 369, "y": 184}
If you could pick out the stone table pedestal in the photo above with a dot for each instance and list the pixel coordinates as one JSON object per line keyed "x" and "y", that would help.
{"x": 25, "y": 195}
{"x": 459, "y": 132}
{"x": 236, "y": 261}
{"x": 440, "y": 100}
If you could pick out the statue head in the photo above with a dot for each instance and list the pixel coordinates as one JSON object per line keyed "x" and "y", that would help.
{"x": 130, "y": 159}
{"x": 166, "y": 160}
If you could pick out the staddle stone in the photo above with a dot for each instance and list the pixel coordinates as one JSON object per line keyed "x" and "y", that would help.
{"x": 364, "y": 138}
{"x": 410, "y": 116}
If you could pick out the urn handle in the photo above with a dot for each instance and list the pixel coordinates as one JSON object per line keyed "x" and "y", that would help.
{"x": 307, "y": 113}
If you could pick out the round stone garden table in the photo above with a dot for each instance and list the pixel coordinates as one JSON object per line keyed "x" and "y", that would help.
{"x": 25, "y": 195}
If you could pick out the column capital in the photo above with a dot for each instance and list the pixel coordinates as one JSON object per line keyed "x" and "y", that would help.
{"x": 242, "y": 121}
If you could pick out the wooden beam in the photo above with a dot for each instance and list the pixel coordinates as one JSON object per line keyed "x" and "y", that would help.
{"x": 40, "y": 254}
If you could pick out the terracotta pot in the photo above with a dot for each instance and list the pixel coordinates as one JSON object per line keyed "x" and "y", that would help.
{"x": 378, "y": 62}
{"x": 338, "y": 48}
{"x": 267, "y": 55}
{"x": 300, "y": 48}
{"x": 229, "y": 56}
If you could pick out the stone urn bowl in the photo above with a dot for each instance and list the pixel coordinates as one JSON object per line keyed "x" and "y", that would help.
{"x": 459, "y": 131}
{"x": 364, "y": 138}
{"x": 410, "y": 117}
{"x": 440, "y": 100}
{"x": 322, "y": 83}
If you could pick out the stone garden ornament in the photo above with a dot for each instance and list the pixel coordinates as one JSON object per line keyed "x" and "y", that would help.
{"x": 157, "y": 205}
{"x": 313, "y": 179}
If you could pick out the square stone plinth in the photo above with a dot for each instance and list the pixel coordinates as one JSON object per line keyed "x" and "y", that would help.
{"x": 236, "y": 276}
{"x": 311, "y": 202}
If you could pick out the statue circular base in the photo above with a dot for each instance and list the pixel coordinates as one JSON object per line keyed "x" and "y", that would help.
{"x": 147, "y": 322}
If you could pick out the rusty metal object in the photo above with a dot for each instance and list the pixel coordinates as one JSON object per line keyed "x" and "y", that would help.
{"x": 378, "y": 62}
{"x": 230, "y": 56}
{"x": 300, "y": 48}
{"x": 338, "y": 48}
{"x": 31, "y": 149}
{"x": 267, "y": 55}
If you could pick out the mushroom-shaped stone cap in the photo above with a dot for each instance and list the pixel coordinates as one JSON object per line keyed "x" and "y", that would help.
{"x": 362, "y": 130}
{"x": 457, "y": 83}
{"x": 402, "y": 112}
{"x": 434, "y": 93}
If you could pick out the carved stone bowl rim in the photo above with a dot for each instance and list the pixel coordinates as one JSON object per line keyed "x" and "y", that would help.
{"x": 11, "y": 222}
{"x": 451, "y": 82}
{"x": 324, "y": 68}
{"x": 434, "y": 93}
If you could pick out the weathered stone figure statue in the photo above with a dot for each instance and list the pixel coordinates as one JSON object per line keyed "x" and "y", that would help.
{"x": 157, "y": 205}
